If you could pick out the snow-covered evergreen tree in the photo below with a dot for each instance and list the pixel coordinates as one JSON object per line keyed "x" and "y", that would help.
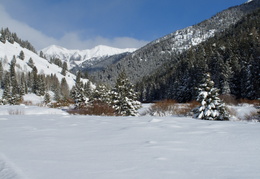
{"x": 21, "y": 55}
{"x": 31, "y": 63}
{"x": 212, "y": 108}
{"x": 124, "y": 98}
{"x": 41, "y": 85}
{"x": 101, "y": 94}
{"x": 15, "y": 96}
{"x": 47, "y": 98}
{"x": 64, "y": 89}
{"x": 77, "y": 93}
{"x": 64, "y": 68}
{"x": 6, "y": 97}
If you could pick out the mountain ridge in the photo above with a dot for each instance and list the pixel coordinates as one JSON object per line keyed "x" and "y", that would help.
{"x": 77, "y": 57}
{"x": 147, "y": 59}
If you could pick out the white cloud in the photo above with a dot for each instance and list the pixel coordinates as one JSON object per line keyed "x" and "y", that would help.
{"x": 70, "y": 40}
{"x": 24, "y": 31}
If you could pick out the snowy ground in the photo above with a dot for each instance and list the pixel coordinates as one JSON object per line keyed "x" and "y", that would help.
{"x": 42, "y": 143}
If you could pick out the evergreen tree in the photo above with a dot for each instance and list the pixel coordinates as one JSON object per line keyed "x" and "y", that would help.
{"x": 31, "y": 63}
{"x": 7, "y": 89}
{"x": 41, "y": 85}
{"x": 15, "y": 99}
{"x": 64, "y": 68}
{"x": 1, "y": 73}
{"x": 212, "y": 108}
{"x": 57, "y": 95}
{"x": 21, "y": 55}
{"x": 124, "y": 98}
{"x": 64, "y": 88}
{"x": 23, "y": 86}
{"x": 35, "y": 81}
{"x": 87, "y": 89}
{"x": 101, "y": 94}
{"x": 41, "y": 54}
{"x": 78, "y": 77}
{"x": 78, "y": 93}
{"x": 47, "y": 98}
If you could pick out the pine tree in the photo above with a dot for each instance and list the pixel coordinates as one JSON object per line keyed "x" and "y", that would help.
{"x": 101, "y": 94}
{"x": 47, "y": 98}
{"x": 64, "y": 68}
{"x": 21, "y": 55}
{"x": 124, "y": 98}
{"x": 1, "y": 73}
{"x": 31, "y": 63}
{"x": 212, "y": 108}
{"x": 7, "y": 89}
{"x": 87, "y": 89}
{"x": 78, "y": 94}
{"x": 64, "y": 90}
{"x": 41, "y": 85}
{"x": 41, "y": 54}
{"x": 23, "y": 85}
{"x": 78, "y": 77}
{"x": 15, "y": 99}
{"x": 35, "y": 84}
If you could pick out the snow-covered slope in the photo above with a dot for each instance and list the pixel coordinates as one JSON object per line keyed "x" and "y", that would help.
{"x": 76, "y": 57}
{"x": 8, "y": 50}
{"x": 42, "y": 144}
{"x": 146, "y": 60}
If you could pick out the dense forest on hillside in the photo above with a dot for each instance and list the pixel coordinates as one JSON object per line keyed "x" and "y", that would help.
{"x": 232, "y": 57}
{"x": 152, "y": 56}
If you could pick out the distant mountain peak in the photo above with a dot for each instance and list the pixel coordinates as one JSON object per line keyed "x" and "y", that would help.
{"x": 76, "y": 57}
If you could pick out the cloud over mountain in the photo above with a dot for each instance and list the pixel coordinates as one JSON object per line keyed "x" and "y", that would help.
{"x": 71, "y": 40}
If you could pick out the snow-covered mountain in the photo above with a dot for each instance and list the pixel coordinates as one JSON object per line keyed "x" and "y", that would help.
{"x": 9, "y": 50}
{"x": 146, "y": 60}
{"x": 77, "y": 57}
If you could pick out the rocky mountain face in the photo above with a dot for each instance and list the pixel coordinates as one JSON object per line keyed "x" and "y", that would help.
{"x": 144, "y": 61}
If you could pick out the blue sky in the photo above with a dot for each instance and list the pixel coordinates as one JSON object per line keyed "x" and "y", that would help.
{"x": 81, "y": 24}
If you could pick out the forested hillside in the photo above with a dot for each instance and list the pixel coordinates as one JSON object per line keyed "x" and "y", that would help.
{"x": 149, "y": 58}
{"x": 232, "y": 57}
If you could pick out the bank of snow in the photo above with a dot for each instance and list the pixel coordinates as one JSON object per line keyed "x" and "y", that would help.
{"x": 46, "y": 145}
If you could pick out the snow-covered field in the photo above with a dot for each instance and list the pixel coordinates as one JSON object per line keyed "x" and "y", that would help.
{"x": 42, "y": 143}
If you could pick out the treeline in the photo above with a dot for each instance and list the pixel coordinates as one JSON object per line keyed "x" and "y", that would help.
{"x": 120, "y": 100}
{"x": 232, "y": 58}
{"x": 16, "y": 84}
{"x": 6, "y": 35}
{"x": 146, "y": 60}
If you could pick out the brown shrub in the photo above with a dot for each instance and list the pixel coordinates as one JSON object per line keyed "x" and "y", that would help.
{"x": 171, "y": 107}
{"x": 97, "y": 108}
{"x": 255, "y": 102}
{"x": 228, "y": 99}
{"x": 27, "y": 103}
{"x": 61, "y": 103}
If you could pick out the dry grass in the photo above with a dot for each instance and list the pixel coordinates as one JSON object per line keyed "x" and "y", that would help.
{"x": 97, "y": 108}
{"x": 229, "y": 99}
{"x": 27, "y": 103}
{"x": 171, "y": 107}
{"x": 247, "y": 101}
{"x": 61, "y": 103}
